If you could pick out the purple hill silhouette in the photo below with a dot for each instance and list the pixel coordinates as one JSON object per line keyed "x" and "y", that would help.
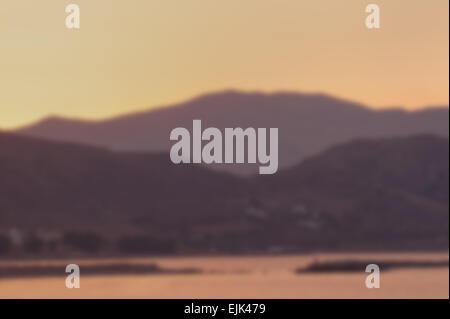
{"x": 389, "y": 193}
{"x": 308, "y": 123}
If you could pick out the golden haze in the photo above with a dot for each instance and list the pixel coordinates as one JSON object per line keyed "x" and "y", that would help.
{"x": 131, "y": 55}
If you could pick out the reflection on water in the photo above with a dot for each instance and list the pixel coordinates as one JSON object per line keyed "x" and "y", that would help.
{"x": 237, "y": 277}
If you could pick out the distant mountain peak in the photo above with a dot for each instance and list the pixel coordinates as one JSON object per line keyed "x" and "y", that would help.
{"x": 308, "y": 123}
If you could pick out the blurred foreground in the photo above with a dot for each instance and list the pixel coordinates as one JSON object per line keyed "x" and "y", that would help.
{"x": 239, "y": 277}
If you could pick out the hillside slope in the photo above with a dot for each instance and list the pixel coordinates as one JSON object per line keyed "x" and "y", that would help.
{"x": 308, "y": 124}
{"x": 368, "y": 194}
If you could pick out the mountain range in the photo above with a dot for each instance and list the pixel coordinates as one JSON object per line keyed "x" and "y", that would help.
{"x": 377, "y": 193}
{"x": 308, "y": 124}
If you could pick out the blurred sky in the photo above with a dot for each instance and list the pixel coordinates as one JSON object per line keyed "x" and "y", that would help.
{"x": 135, "y": 54}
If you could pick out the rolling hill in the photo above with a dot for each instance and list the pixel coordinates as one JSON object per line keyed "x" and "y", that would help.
{"x": 392, "y": 190}
{"x": 389, "y": 193}
{"x": 63, "y": 185}
{"x": 308, "y": 124}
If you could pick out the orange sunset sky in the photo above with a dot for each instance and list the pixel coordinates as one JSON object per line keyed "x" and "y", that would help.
{"x": 137, "y": 54}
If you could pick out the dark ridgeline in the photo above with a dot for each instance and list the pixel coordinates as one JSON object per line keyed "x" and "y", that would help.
{"x": 356, "y": 265}
{"x": 308, "y": 124}
{"x": 60, "y": 199}
{"x": 388, "y": 193}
